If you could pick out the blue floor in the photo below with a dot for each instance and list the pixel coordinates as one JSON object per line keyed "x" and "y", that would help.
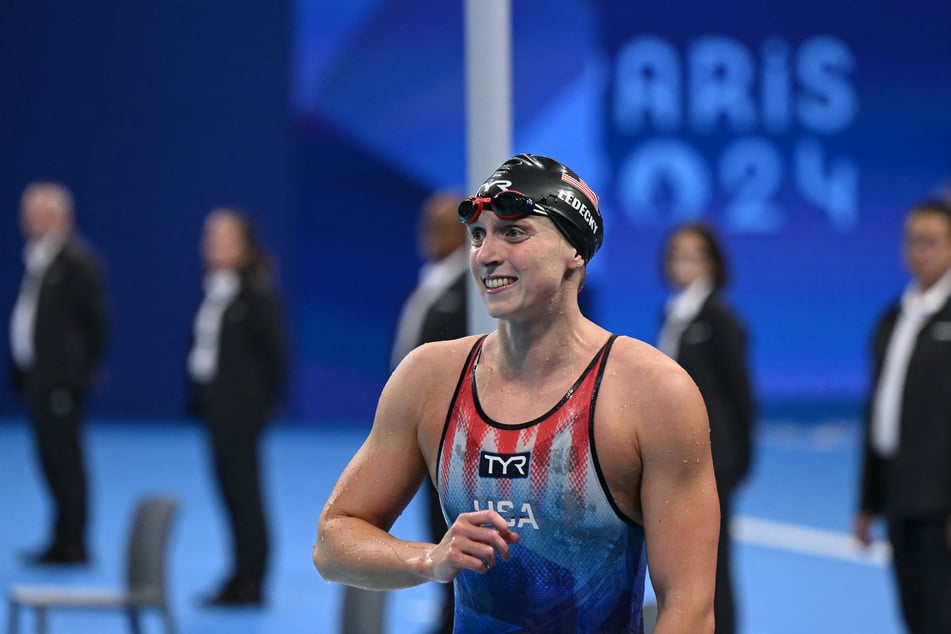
{"x": 797, "y": 571}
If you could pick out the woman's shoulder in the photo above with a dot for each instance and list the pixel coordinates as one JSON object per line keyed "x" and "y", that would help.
{"x": 637, "y": 363}
{"x": 644, "y": 385}
{"x": 427, "y": 376}
{"x": 443, "y": 355}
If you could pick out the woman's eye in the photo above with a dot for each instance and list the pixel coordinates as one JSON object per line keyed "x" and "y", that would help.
{"x": 476, "y": 236}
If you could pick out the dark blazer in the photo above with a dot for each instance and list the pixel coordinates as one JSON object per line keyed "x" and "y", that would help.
{"x": 447, "y": 317}
{"x": 713, "y": 351}
{"x": 917, "y": 480}
{"x": 252, "y": 359}
{"x": 71, "y": 322}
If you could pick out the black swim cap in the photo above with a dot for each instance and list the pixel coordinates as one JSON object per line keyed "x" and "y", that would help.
{"x": 568, "y": 201}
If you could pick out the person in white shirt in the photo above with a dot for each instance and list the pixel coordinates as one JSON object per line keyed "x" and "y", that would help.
{"x": 237, "y": 364}
{"x": 57, "y": 336}
{"x": 906, "y": 467}
{"x": 706, "y": 337}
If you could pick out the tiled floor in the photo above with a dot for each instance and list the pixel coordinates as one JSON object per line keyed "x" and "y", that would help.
{"x": 797, "y": 571}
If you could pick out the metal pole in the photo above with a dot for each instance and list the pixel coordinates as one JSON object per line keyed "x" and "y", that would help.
{"x": 488, "y": 42}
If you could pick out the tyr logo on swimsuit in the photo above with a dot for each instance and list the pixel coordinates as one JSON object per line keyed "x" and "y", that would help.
{"x": 504, "y": 465}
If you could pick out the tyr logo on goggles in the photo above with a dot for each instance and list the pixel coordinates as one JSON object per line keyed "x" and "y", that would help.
{"x": 508, "y": 204}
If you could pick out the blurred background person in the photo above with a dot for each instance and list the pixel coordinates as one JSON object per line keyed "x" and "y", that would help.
{"x": 706, "y": 337}
{"x": 436, "y": 310}
{"x": 237, "y": 364}
{"x": 57, "y": 335}
{"x": 906, "y": 470}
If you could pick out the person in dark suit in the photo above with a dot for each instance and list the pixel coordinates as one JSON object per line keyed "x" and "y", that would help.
{"x": 237, "y": 363}
{"x": 436, "y": 310}
{"x": 705, "y": 336}
{"x": 906, "y": 467}
{"x": 57, "y": 336}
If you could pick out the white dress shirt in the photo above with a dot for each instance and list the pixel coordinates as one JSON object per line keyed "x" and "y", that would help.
{"x": 682, "y": 308}
{"x": 221, "y": 287}
{"x": 916, "y": 308}
{"x": 38, "y": 255}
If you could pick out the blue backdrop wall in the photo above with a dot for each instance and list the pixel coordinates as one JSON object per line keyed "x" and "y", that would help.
{"x": 152, "y": 113}
{"x": 801, "y": 131}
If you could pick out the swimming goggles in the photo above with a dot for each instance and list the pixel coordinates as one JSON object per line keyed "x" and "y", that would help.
{"x": 508, "y": 205}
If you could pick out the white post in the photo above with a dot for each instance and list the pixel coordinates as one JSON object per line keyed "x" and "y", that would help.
{"x": 488, "y": 41}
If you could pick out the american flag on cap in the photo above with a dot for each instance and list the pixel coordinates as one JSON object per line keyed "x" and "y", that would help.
{"x": 579, "y": 184}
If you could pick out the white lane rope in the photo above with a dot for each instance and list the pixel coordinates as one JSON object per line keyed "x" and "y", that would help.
{"x": 808, "y": 541}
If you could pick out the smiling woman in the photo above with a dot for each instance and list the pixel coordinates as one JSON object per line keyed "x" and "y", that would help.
{"x": 531, "y": 474}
